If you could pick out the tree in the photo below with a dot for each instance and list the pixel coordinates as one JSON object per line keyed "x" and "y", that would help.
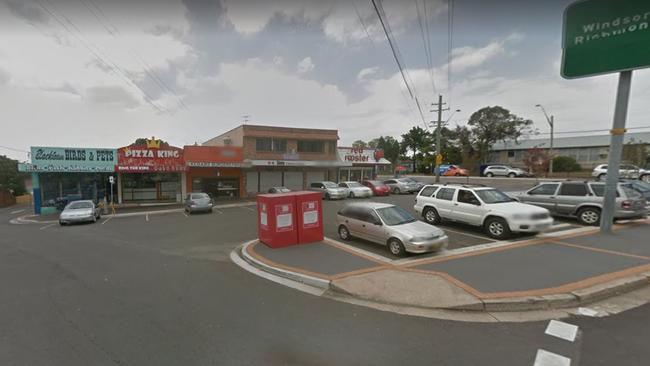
{"x": 565, "y": 164}
{"x": 635, "y": 152}
{"x": 489, "y": 125}
{"x": 143, "y": 141}
{"x": 373, "y": 143}
{"x": 10, "y": 178}
{"x": 391, "y": 148}
{"x": 537, "y": 160}
{"x": 359, "y": 144}
{"x": 416, "y": 140}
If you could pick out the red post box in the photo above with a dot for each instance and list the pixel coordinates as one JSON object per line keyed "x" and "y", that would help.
{"x": 309, "y": 212}
{"x": 276, "y": 220}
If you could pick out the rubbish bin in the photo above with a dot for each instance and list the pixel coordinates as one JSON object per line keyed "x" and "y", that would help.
{"x": 276, "y": 220}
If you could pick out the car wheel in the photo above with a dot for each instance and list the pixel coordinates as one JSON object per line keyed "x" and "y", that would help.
{"x": 645, "y": 178}
{"x": 94, "y": 218}
{"x": 497, "y": 228}
{"x": 61, "y": 223}
{"x": 396, "y": 248}
{"x": 351, "y": 195}
{"x": 327, "y": 196}
{"x": 344, "y": 233}
{"x": 457, "y": 174}
{"x": 397, "y": 190}
{"x": 489, "y": 175}
{"x": 589, "y": 216}
{"x": 431, "y": 216}
{"x": 511, "y": 175}
{"x": 602, "y": 177}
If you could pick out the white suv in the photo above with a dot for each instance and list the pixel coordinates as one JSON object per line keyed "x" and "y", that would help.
{"x": 504, "y": 171}
{"x": 625, "y": 171}
{"x": 495, "y": 211}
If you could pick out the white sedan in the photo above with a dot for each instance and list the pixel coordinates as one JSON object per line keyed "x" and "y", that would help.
{"x": 356, "y": 189}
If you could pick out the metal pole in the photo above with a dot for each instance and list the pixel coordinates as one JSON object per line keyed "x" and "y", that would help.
{"x": 438, "y": 150}
{"x": 550, "y": 164}
{"x": 111, "y": 192}
{"x": 615, "y": 150}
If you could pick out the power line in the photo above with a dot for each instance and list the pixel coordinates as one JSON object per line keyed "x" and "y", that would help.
{"x": 587, "y": 131}
{"x": 427, "y": 49}
{"x": 113, "y": 31}
{"x": 426, "y": 22}
{"x": 395, "y": 51}
{"x": 14, "y": 149}
{"x": 98, "y": 54}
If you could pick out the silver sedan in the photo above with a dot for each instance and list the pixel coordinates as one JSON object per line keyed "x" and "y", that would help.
{"x": 79, "y": 211}
{"x": 356, "y": 190}
{"x": 389, "y": 225}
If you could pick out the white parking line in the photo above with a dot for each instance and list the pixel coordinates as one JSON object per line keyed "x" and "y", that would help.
{"x": 46, "y": 226}
{"x": 463, "y": 233}
{"x": 219, "y": 211}
{"x": 17, "y": 211}
{"x": 248, "y": 208}
{"x": 562, "y": 330}
{"x": 147, "y": 217}
{"x": 107, "y": 220}
{"x": 184, "y": 214}
{"x": 546, "y": 358}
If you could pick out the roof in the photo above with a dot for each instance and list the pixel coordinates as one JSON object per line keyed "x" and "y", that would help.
{"x": 569, "y": 142}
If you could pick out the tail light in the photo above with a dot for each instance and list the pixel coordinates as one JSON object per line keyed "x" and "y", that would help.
{"x": 627, "y": 204}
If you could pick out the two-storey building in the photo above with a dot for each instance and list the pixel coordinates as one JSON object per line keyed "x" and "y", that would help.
{"x": 283, "y": 156}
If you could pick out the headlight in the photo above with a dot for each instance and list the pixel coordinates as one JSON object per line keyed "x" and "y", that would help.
{"x": 519, "y": 216}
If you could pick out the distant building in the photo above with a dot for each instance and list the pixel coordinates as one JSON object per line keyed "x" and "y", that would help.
{"x": 588, "y": 151}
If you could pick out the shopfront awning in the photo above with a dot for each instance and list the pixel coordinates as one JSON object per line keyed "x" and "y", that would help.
{"x": 299, "y": 163}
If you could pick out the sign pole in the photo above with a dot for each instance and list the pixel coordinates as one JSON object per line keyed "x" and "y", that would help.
{"x": 615, "y": 150}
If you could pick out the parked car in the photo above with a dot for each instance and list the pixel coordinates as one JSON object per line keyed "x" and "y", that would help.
{"x": 378, "y": 187}
{"x": 443, "y": 168}
{"x": 418, "y": 184}
{"x": 455, "y": 171}
{"x": 583, "y": 200}
{"x": 496, "y": 212}
{"x": 279, "y": 190}
{"x": 329, "y": 190}
{"x": 389, "y": 225}
{"x": 401, "y": 185}
{"x": 504, "y": 171}
{"x": 198, "y": 202}
{"x": 356, "y": 189}
{"x": 79, "y": 211}
{"x": 626, "y": 171}
{"x": 641, "y": 187}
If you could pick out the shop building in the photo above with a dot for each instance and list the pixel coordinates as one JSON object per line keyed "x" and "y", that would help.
{"x": 60, "y": 174}
{"x": 216, "y": 170}
{"x": 150, "y": 172}
{"x": 283, "y": 156}
{"x": 366, "y": 163}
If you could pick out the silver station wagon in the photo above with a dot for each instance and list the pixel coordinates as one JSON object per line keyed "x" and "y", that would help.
{"x": 389, "y": 225}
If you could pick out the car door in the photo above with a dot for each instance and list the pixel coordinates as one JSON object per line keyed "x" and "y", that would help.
{"x": 569, "y": 196}
{"x": 373, "y": 227}
{"x": 352, "y": 219}
{"x": 544, "y": 195}
{"x": 444, "y": 202}
{"x": 467, "y": 208}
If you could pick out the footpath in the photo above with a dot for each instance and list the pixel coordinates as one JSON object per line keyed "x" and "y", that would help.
{"x": 551, "y": 271}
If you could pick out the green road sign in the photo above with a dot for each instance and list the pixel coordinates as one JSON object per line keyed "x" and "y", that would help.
{"x": 604, "y": 36}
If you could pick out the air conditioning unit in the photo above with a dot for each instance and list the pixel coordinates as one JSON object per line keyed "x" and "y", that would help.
{"x": 227, "y": 141}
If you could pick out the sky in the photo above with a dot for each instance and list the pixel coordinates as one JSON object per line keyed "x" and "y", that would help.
{"x": 96, "y": 73}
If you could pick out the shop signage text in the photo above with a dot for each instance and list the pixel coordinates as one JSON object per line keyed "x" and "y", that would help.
{"x": 63, "y": 159}
{"x": 359, "y": 155}
{"x": 150, "y": 158}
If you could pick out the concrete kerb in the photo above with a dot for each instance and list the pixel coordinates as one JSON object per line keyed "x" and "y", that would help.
{"x": 548, "y": 302}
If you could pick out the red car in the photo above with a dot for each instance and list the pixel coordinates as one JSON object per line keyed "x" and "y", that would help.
{"x": 455, "y": 170}
{"x": 378, "y": 187}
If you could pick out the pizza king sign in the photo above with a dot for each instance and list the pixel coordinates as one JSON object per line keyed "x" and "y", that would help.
{"x": 153, "y": 156}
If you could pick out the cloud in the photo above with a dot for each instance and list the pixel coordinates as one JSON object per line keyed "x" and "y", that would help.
{"x": 366, "y": 72}
{"x": 64, "y": 88}
{"x": 28, "y": 12}
{"x": 112, "y": 95}
{"x": 305, "y": 66}
{"x": 4, "y": 77}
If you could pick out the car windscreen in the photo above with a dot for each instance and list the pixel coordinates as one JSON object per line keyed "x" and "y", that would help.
{"x": 330, "y": 184}
{"x": 376, "y": 182}
{"x": 80, "y": 205}
{"x": 197, "y": 196}
{"x": 493, "y": 196}
{"x": 395, "y": 215}
{"x": 354, "y": 185}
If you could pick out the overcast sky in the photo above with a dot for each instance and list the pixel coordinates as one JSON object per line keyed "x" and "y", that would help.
{"x": 95, "y": 73}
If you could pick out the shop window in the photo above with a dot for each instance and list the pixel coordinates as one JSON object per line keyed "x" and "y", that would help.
{"x": 313, "y": 146}
{"x": 511, "y": 154}
{"x": 270, "y": 144}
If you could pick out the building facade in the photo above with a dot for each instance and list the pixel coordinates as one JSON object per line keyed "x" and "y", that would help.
{"x": 588, "y": 151}
{"x": 283, "y": 156}
{"x": 216, "y": 170}
{"x": 366, "y": 163}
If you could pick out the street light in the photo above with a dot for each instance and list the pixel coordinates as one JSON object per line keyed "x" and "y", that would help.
{"x": 550, "y": 123}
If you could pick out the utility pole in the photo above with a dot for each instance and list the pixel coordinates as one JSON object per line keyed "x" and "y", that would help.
{"x": 551, "y": 122}
{"x": 438, "y": 134}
